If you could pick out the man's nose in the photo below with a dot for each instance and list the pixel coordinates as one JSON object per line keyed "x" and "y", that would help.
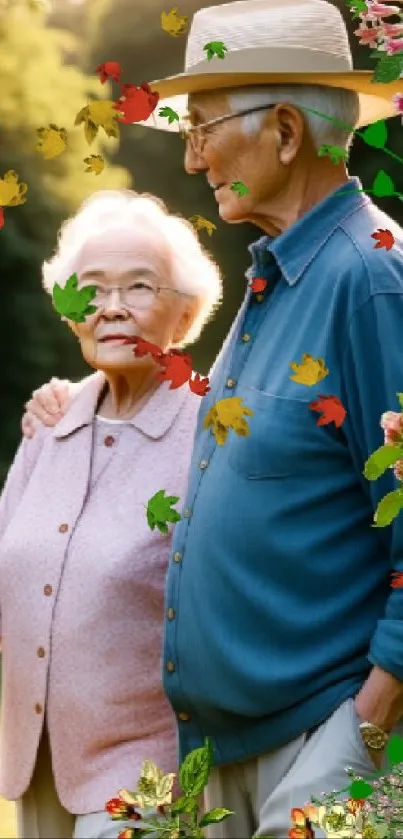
{"x": 193, "y": 163}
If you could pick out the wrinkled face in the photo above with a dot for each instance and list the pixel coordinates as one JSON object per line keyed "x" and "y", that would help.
{"x": 229, "y": 155}
{"x": 132, "y": 259}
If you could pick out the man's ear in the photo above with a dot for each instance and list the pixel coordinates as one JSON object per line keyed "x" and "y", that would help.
{"x": 73, "y": 326}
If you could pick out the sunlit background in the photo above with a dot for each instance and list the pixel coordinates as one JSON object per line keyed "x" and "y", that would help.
{"x": 48, "y": 56}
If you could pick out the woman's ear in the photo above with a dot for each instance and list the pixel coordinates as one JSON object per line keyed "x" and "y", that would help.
{"x": 185, "y": 322}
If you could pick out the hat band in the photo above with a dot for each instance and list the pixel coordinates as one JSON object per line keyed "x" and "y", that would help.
{"x": 291, "y": 60}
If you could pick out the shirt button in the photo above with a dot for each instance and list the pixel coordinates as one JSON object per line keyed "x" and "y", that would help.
{"x": 109, "y": 440}
{"x": 177, "y": 557}
{"x": 170, "y": 667}
{"x": 246, "y": 337}
{"x": 170, "y": 614}
{"x": 231, "y": 383}
{"x": 40, "y": 652}
{"x": 183, "y": 716}
{"x": 187, "y": 513}
{"x": 38, "y": 708}
{"x": 47, "y": 590}
{"x": 203, "y": 464}
{"x": 259, "y": 298}
{"x": 63, "y": 528}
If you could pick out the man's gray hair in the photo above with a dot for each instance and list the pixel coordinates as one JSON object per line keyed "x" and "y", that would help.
{"x": 333, "y": 101}
{"x": 193, "y": 270}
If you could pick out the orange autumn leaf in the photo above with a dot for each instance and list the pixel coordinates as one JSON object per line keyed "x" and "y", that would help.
{"x": 258, "y": 284}
{"x": 109, "y": 70}
{"x": 385, "y": 239}
{"x": 331, "y": 408}
{"x": 397, "y": 579}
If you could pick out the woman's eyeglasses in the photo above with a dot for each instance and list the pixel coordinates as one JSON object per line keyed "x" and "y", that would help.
{"x": 196, "y": 135}
{"x": 139, "y": 296}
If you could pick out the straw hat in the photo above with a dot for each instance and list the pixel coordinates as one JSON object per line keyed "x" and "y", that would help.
{"x": 271, "y": 42}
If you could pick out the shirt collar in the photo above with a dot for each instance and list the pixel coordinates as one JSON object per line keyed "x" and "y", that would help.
{"x": 294, "y": 249}
{"x": 154, "y": 418}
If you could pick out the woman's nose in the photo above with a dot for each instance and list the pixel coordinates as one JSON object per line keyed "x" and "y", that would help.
{"x": 113, "y": 302}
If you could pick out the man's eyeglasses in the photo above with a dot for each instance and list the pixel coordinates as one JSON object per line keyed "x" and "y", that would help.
{"x": 196, "y": 135}
{"x": 139, "y": 296}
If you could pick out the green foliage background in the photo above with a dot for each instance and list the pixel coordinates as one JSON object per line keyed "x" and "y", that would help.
{"x": 47, "y": 72}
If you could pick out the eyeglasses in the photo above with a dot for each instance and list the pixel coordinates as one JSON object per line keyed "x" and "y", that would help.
{"x": 196, "y": 135}
{"x": 138, "y": 296}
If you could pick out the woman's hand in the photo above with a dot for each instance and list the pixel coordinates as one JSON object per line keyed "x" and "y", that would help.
{"x": 48, "y": 404}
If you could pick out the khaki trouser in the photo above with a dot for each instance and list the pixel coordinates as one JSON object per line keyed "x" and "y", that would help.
{"x": 40, "y": 815}
{"x": 263, "y": 791}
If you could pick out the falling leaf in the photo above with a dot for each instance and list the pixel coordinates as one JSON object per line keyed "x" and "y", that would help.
{"x": 388, "y": 508}
{"x": 394, "y": 749}
{"x": 385, "y": 239}
{"x": 358, "y": 6}
{"x": 173, "y": 23}
{"x": 177, "y": 368}
{"x": 154, "y": 788}
{"x": 109, "y": 70}
{"x": 258, "y": 284}
{"x": 71, "y": 303}
{"x": 95, "y": 163}
{"x": 225, "y": 414}
{"x": 98, "y": 114}
{"x": 336, "y": 153}
{"x": 137, "y": 103}
{"x": 143, "y": 348}
{"x": 217, "y": 48}
{"x": 380, "y": 460}
{"x": 389, "y": 68}
{"x": 200, "y": 223}
{"x": 51, "y": 142}
{"x": 360, "y": 789}
{"x": 310, "y": 371}
{"x": 159, "y": 511}
{"x": 332, "y": 409}
{"x": 397, "y": 579}
{"x": 1, "y": 218}
{"x": 383, "y": 185}
{"x": 376, "y": 134}
{"x": 11, "y": 192}
{"x": 240, "y": 188}
{"x": 168, "y": 112}
{"x": 198, "y": 385}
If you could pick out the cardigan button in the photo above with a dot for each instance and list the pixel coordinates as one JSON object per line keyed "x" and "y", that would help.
{"x": 109, "y": 440}
{"x": 40, "y": 652}
{"x": 38, "y": 708}
{"x": 63, "y": 528}
{"x": 47, "y": 590}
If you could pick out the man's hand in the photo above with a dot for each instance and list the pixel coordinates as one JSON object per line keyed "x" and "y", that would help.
{"x": 48, "y": 404}
{"x": 380, "y": 701}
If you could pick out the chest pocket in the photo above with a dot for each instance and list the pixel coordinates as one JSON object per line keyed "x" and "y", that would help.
{"x": 282, "y": 437}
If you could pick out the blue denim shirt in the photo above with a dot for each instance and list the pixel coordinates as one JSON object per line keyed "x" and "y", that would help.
{"x": 280, "y": 586}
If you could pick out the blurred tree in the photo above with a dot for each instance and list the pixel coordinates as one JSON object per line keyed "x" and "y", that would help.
{"x": 35, "y": 90}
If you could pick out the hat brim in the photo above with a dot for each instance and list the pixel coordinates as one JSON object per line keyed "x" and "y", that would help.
{"x": 375, "y": 98}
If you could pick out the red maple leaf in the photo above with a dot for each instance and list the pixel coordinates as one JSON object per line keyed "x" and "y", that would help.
{"x": 1, "y": 218}
{"x": 178, "y": 368}
{"x": 198, "y": 385}
{"x": 136, "y": 103}
{"x": 109, "y": 70}
{"x": 385, "y": 239}
{"x": 397, "y": 582}
{"x": 258, "y": 284}
{"x": 331, "y": 408}
{"x": 143, "y": 348}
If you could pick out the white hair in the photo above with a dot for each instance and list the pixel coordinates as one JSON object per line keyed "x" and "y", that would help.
{"x": 335, "y": 102}
{"x": 193, "y": 269}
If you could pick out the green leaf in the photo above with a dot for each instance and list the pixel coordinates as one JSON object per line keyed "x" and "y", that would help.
{"x": 184, "y": 804}
{"x": 195, "y": 769}
{"x": 159, "y": 511}
{"x": 380, "y": 460}
{"x": 71, "y": 303}
{"x": 383, "y": 185}
{"x": 336, "y": 153}
{"x": 168, "y": 112}
{"x": 388, "y": 68}
{"x": 360, "y": 789}
{"x": 400, "y": 398}
{"x": 356, "y": 6}
{"x": 394, "y": 749}
{"x": 388, "y": 508}
{"x": 216, "y": 815}
{"x": 240, "y": 188}
{"x": 376, "y": 134}
{"x": 213, "y": 48}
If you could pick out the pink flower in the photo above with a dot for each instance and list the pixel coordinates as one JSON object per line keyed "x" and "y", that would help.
{"x": 398, "y": 470}
{"x": 392, "y": 29}
{"x": 394, "y": 45}
{"x": 378, "y": 10}
{"x": 369, "y": 34}
{"x": 398, "y": 102}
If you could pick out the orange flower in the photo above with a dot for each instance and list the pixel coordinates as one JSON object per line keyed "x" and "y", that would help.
{"x": 354, "y": 805}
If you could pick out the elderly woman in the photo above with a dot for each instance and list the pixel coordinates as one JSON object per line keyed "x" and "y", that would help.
{"x": 81, "y": 572}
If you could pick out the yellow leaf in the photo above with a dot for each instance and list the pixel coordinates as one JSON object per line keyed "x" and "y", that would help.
{"x": 199, "y": 222}
{"x": 11, "y": 192}
{"x": 172, "y": 23}
{"x": 310, "y": 371}
{"x": 220, "y": 433}
{"x": 95, "y": 163}
{"x": 90, "y": 131}
{"x": 225, "y": 414}
{"x": 230, "y": 410}
{"x": 164, "y": 789}
{"x": 51, "y": 142}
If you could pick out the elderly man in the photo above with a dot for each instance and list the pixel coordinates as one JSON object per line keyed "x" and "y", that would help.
{"x": 283, "y": 639}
